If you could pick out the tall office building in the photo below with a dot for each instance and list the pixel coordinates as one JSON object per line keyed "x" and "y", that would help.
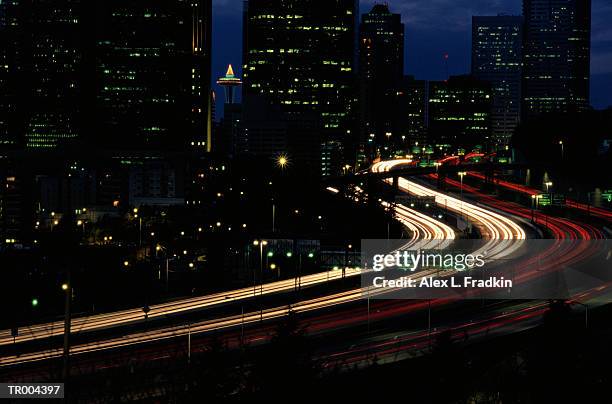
{"x": 109, "y": 73}
{"x": 152, "y": 62}
{"x": 298, "y": 61}
{"x": 40, "y": 72}
{"x": 7, "y": 95}
{"x": 497, "y": 58}
{"x": 459, "y": 112}
{"x": 410, "y": 110}
{"x": 381, "y": 55}
{"x": 557, "y": 41}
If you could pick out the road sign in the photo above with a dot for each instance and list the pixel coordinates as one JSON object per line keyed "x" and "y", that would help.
{"x": 544, "y": 200}
{"x": 558, "y": 199}
{"x": 606, "y": 196}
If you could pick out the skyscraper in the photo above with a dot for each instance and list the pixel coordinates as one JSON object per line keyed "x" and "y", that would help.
{"x": 410, "y": 110}
{"x": 298, "y": 58}
{"x": 40, "y": 74}
{"x": 556, "y": 56}
{"x": 7, "y": 96}
{"x": 381, "y": 51}
{"x": 109, "y": 73}
{"x": 152, "y": 63}
{"x": 497, "y": 58}
{"x": 459, "y": 112}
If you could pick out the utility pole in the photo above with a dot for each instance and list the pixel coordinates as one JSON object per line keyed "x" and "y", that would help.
{"x": 67, "y": 287}
{"x": 188, "y": 343}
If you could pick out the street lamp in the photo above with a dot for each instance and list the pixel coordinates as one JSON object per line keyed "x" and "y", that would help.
{"x": 562, "y": 150}
{"x": 548, "y": 185}
{"x": 282, "y": 161}
{"x": 261, "y": 244}
{"x": 461, "y": 175}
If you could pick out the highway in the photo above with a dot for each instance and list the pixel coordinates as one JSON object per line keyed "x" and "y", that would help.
{"x": 130, "y": 316}
{"x": 498, "y": 226}
{"x": 502, "y": 232}
{"x": 426, "y": 232}
{"x": 591, "y": 210}
{"x": 424, "y": 228}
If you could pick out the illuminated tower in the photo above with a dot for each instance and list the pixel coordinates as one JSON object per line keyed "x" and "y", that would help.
{"x": 229, "y": 82}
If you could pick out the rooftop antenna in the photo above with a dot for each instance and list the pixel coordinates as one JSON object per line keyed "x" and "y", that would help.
{"x": 445, "y": 56}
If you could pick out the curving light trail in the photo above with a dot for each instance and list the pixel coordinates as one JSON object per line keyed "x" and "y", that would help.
{"x": 501, "y": 231}
{"x": 129, "y": 316}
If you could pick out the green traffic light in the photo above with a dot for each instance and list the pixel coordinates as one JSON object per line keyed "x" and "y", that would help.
{"x": 34, "y": 302}
{"x": 310, "y": 255}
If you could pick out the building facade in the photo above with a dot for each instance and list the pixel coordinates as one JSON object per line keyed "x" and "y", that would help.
{"x": 459, "y": 112}
{"x": 497, "y": 59}
{"x": 557, "y": 42}
{"x": 105, "y": 73}
{"x": 299, "y": 61}
{"x": 42, "y": 67}
{"x": 411, "y": 111}
{"x": 152, "y": 66}
{"x": 381, "y": 69}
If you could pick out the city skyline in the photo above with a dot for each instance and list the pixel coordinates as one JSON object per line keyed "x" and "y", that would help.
{"x": 429, "y": 41}
{"x": 352, "y": 190}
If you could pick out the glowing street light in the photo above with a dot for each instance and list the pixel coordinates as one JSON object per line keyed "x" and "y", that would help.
{"x": 282, "y": 161}
{"x": 261, "y": 244}
{"x": 64, "y": 286}
{"x": 548, "y": 185}
{"x": 461, "y": 175}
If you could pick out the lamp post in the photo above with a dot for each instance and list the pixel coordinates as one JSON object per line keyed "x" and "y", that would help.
{"x": 261, "y": 244}
{"x": 562, "y": 148}
{"x": 461, "y": 175}
{"x": 548, "y": 185}
{"x": 67, "y": 288}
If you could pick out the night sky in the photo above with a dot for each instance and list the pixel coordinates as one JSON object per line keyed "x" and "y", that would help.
{"x": 433, "y": 27}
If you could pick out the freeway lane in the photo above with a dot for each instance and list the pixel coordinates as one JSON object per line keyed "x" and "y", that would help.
{"x": 501, "y": 227}
{"x": 592, "y": 210}
{"x": 424, "y": 229}
{"x": 131, "y": 316}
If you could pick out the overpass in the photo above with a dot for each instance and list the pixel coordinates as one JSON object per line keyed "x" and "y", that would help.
{"x": 411, "y": 171}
